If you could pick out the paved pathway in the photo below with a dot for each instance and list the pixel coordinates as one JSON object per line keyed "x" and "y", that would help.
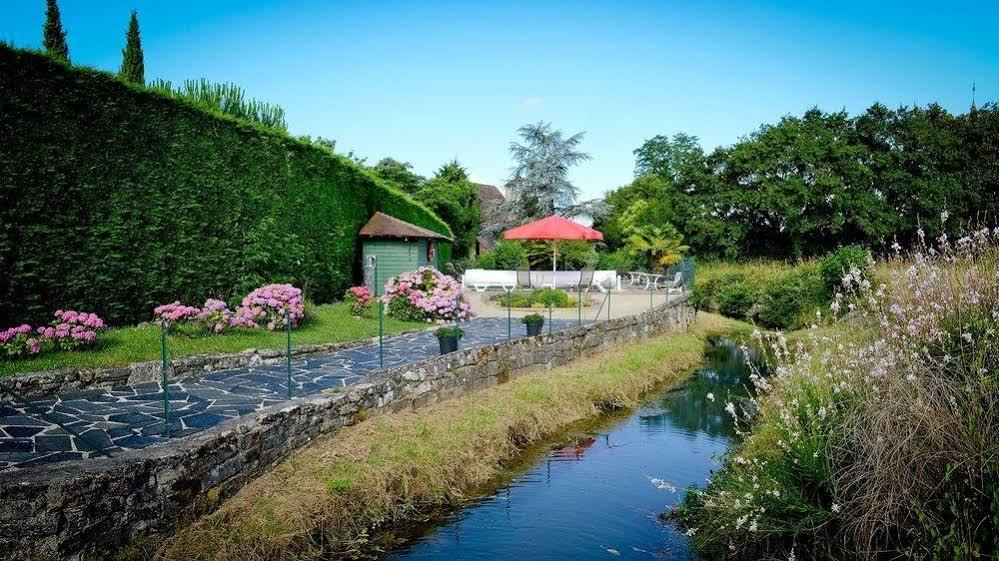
{"x": 110, "y": 421}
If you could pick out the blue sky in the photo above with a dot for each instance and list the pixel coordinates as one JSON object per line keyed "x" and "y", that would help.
{"x": 428, "y": 81}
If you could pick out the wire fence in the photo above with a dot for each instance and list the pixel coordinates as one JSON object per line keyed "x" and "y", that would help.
{"x": 299, "y": 360}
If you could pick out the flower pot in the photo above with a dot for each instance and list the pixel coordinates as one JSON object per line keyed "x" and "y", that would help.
{"x": 448, "y": 344}
{"x": 534, "y": 329}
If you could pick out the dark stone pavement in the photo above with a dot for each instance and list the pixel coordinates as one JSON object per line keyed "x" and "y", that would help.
{"x": 104, "y": 421}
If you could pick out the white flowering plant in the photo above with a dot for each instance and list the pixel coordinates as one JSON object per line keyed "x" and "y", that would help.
{"x": 876, "y": 434}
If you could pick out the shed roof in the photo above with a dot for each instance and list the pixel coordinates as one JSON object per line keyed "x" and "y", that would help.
{"x": 382, "y": 225}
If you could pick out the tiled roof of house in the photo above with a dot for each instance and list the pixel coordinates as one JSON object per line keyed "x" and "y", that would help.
{"x": 382, "y": 225}
{"x": 489, "y": 193}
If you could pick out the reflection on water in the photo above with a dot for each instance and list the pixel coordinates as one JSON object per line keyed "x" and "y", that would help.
{"x": 599, "y": 495}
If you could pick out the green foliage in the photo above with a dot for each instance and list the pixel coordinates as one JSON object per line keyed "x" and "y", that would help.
{"x": 775, "y": 294}
{"x": 539, "y": 298}
{"x": 661, "y": 246}
{"x": 449, "y": 332}
{"x": 398, "y": 175}
{"x": 839, "y": 263}
{"x": 133, "y": 69}
{"x": 505, "y": 255}
{"x": 533, "y": 319}
{"x": 457, "y": 203}
{"x": 53, "y": 35}
{"x": 620, "y": 260}
{"x": 226, "y": 99}
{"x": 452, "y": 172}
{"x": 808, "y": 184}
{"x": 117, "y": 199}
{"x": 790, "y": 300}
{"x": 572, "y": 254}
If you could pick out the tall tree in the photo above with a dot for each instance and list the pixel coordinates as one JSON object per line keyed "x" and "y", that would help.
{"x": 540, "y": 183}
{"x": 53, "y": 35}
{"x": 133, "y": 69}
{"x": 458, "y": 204}
{"x": 399, "y": 175}
{"x": 452, "y": 172}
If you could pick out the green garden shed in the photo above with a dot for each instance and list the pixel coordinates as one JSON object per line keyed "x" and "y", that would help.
{"x": 398, "y": 246}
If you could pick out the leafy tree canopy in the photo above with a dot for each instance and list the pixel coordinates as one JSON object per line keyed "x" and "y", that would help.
{"x": 398, "y": 174}
{"x": 456, "y": 203}
{"x": 133, "y": 69}
{"x": 452, "y": 171}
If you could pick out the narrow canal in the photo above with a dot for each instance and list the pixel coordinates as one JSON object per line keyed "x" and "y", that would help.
{"x": 597, "y": 495}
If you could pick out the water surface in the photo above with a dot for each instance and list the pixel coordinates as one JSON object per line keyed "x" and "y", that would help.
{"x": 599, "y": 495}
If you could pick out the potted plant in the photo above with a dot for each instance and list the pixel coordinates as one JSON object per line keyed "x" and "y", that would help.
{"x": 533, "y": 323}
{"x": 448, "y": 338}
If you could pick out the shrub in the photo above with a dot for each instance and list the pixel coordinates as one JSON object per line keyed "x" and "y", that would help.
{"x": 70, "y": 330}
{"x": 268, "y": 305}
{"x": 621, "y": 260}
{"x": 841, "y": 262}
{"x": 450, "y": 331}
{"x": 215, "y": 316}
{"x": 535, "y": 299}
{"x": 359, "y": 298}
{"x": 505, "y": 255}
{"x": 426, "y": 294}
{"x": 533, "y": 319}
{"x": 736, "y": 298}
{"x": 545, "y": 296}
{"x": 19, "y": 342}
{"x": 790, "y": 300}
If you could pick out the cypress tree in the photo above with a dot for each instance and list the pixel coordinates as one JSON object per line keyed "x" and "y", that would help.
{"x": 133, "y": 70}
{"x": 53, "y": 35}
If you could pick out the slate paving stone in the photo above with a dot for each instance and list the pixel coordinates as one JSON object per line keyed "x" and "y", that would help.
{"x": 128, "y": 417}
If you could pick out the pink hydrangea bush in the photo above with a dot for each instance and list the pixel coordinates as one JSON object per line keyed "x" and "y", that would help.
{"x": 359, "y": 298}
{"x": 215, "y": 316}
{"x": 268, "y": 304}
{"x": 70, "y": 330}
{"x": 428, "y": 295}
{"x": 18, "y": 341}
{"x": 175, "y": 313}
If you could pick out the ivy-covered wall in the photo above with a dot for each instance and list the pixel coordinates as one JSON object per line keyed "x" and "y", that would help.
{"x": 115, "y": 199}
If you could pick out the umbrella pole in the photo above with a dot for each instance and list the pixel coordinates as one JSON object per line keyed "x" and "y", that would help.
{"x": 554, "y": 261}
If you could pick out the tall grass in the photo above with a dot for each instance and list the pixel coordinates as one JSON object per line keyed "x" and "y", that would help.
{"x": 876, "y": 437}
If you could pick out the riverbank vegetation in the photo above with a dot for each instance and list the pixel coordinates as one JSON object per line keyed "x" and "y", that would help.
{"x": 324, "y": 500}
{"x": 776, "y": 294}
{"x": 877, "y": 435}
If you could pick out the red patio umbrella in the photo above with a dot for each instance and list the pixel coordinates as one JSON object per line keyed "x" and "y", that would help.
{"x": 553, "y": 228}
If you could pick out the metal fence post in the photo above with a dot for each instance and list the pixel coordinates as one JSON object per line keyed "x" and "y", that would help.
{"x": 509, "y": 305}
{"x": 165, "y": 380}
{"x": 651, "y": 306}
{"x": 579, "y": 305}
{"x": 287, "y": 324}
{"x": 550, "y": 314}
{"x": 381, "y": 321}
{"x": 609, "y": 291}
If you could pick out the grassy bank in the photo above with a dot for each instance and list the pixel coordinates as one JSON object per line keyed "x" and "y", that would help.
{"x": 332, "y": 323}
{"x": 876, "y": 437}
{"x": 324, "y": 500}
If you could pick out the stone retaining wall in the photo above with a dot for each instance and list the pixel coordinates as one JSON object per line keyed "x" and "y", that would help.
{"x": 91, "y": 508}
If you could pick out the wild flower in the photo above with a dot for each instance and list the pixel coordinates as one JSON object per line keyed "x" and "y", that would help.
{"x": 891, "y": 408}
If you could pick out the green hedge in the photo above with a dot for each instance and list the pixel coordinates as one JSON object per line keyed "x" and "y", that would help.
{"x": 116, "y": 198}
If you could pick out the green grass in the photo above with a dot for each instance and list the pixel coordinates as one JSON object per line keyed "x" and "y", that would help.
{"x": 332, "y": 323}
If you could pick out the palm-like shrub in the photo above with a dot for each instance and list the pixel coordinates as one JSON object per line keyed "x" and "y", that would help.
{"x": 661, "y": 246}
